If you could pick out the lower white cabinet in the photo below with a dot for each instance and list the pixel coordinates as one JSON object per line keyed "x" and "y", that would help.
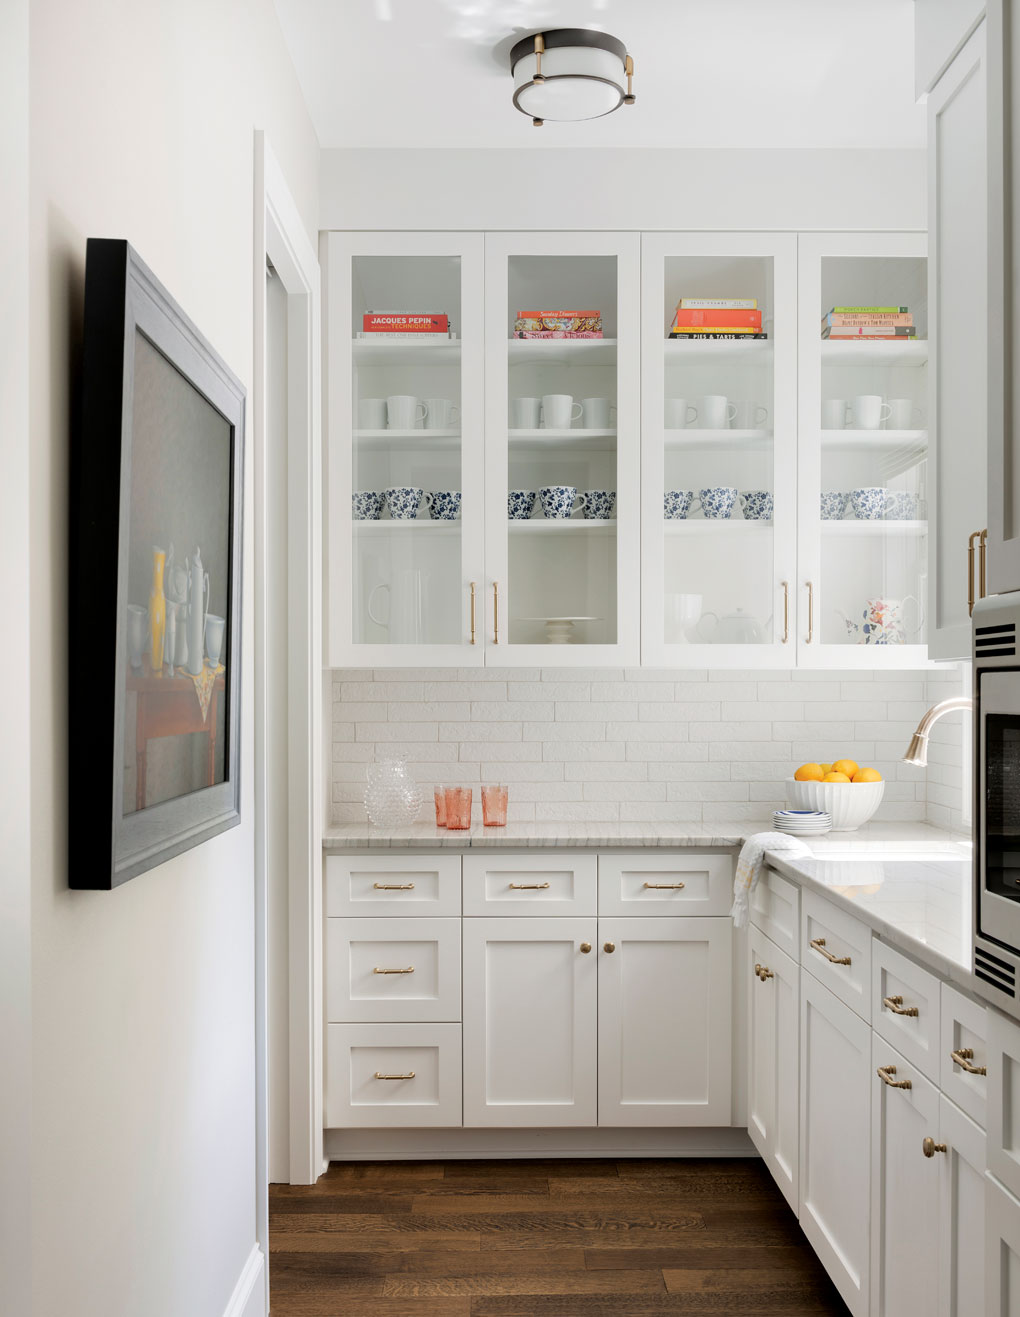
{"x": 1004, "y": 1101}
{"x": 773, "y": 1060}
{"x": 392, "y": 1076}
{"x": 961, "y": 1213}
{"x": 835, "y": 1138}
{"x": 1002, "y": 1252}
{"x": 665, "y": 1021}
{"x": 530, "y": 1027}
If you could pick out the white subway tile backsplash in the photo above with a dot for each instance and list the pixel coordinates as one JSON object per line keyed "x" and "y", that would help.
{"x": 624, "y": 791}
{"x": 631, "y": 690}
{"x": 584, "y": 752}
{"x": 382, "y": 691}
{"x": 396, "y": 731}
{"x": 549, "y": 690}
{"x": 510, "y": 752}
{"x": 466, "y": 690}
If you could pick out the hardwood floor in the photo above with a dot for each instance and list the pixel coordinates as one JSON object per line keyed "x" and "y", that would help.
{"x": 542, "y": 1239}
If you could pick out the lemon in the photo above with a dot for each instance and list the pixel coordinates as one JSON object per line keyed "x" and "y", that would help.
{"x": 809, "y": 773}
{"x": 847, "y": 766}
{"x": 867, "y": 775}
{"x": 826, "y": 768}
{"x": 836, "y": 777}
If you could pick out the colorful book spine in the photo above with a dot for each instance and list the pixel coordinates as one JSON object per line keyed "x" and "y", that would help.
{"x": 694, "y": 335}
{"x": 881, "y": 321}
{"x": 575, "y": 322}
{"x": 398, "y": 336}
{"x": 871, "y": 331}
{"x": 385, "y": 322}
{"x": 713, "y": 328}
{"x": 722, "y": 316}
{"x": 558, "y": 333}
{"x": 868, "y": 310}
{"x": 717, "y": 303}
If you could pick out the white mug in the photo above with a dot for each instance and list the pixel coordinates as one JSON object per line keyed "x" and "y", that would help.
{"x": 524, "y": 413}
{"x": 372, "y": 414}
{"x": 440, "y": 414}
{"x": 903, "y": 415}
{"x": 682, "y": 614}
{"x": 596, "y": 413}
{"x": 834, "y": 414}
{"x": 715, "y": 412}
{"x": 558, "y": 411}
{"x": 677, "y": 417}
{"x": 749, "y": 415}
{"x": 869, "y": 411}
{"x": 402, "y": 412}
{"x": 405, "y": 620}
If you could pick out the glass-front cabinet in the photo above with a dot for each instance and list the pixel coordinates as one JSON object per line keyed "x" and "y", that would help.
{"x": 719, "y": 421}
{"x": 863, "y": 469}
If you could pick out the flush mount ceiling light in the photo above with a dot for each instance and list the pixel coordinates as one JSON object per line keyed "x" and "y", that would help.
{"x": 570, "y": 74}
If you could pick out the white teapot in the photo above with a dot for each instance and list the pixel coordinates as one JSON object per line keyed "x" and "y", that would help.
{"x": 737, "y": 628}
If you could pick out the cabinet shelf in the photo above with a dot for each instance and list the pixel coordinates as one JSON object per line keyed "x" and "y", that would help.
{"x": 908, "y": 352}
{"x": 397, "y": 527}
{"x": 562, "y": 351}
{"x": 386, "y": 441}
{"x": 714, "y": 526}
{"x": 890, "y": 529}
{"x": 364, "y": 352}
{"x": 558, "y": 526}
{"x": 536, "y": 441}
{"x": 717, "y": 441}
{"x": 852, "y": 441}
{"x": 757, "y": 352}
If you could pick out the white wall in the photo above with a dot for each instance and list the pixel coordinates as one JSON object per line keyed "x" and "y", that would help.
{"x": 651, "y": 188}
{"x": 143, "y": 118}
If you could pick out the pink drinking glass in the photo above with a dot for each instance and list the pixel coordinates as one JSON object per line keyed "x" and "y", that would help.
{"x": 440, "y": 799}
{"x": 458, "y": 807}
{"x": 494, "y": 806}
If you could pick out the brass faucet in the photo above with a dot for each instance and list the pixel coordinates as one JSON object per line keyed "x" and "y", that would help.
{"x": 917, "y": 752}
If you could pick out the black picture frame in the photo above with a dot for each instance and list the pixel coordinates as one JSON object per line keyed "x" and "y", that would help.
{"x": 115, "y": 836}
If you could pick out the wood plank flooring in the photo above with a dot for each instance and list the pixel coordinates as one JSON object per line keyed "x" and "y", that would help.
{"x": 542, "y": 1239}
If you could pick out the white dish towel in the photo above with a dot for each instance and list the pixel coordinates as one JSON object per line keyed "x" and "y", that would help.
{"x": 749, "y": 867}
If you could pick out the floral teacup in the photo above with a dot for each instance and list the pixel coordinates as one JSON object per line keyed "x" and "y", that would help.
{"x": 404, "y": 502}
{"x": 559, "y": 501}
{"x": 598, "y": 504}
{"x": 718, "y": 501}
{"x": 900, "y": 505}
{"x": 868, "y": 503}
{"x": 757, "y": 504}
{"x": 832, "y": 504}
{"x": 366, "y": 505}
{"x": 444, "y": 504}
{"x": 520, "y": 504}
{"x": 676, "y": 503}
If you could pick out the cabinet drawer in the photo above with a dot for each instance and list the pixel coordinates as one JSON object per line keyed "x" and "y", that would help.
{"x": 1004, "y": 1100}
{"x": 649, "y": 883}
{"x": 905, "y": 1007}
{"x": 542, "y": 884}
{"x": 392, "y": 1075}
{"x": 964, "y": 1039}
{"x": 775, "y": 909}
{"x": 392, "y": 969}
{"x": 836, "y": 949}
{"x": 371, "y": 885}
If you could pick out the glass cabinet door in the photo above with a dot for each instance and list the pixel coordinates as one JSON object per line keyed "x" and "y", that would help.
{"x": 864, "y": 449}
{"x": 719, "y": 446}
{"x": 405, "y": 448}
{"x": 562, "y": 539}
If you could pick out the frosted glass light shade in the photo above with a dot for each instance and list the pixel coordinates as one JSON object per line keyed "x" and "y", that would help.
{"x": 582, "y": 82}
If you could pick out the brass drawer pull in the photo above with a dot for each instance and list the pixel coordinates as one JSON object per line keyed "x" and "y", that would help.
{"x": 974, "y": 535}
{"x": 665, "y": 887}
{"x": 895, "y": 1004}
{"x": 929, "y": 1147}
{"x": 610, "y": 947}
{"x": 786, "y": 612}
{"x": 764, "y": 973}
{"x": 528, "y": 887}
{"x": 409, "y": 970}
{"x": 983, "y": 563}
{"x": 884, "y": 1071}
{"x": 409, "y": 1075}
{"x": 962, "y": 1057}
{"x": 585, "y": 948}
{"x": 819, "y": 945}
{"x": 393, "y": 887}
{"x": 810, "y": 612}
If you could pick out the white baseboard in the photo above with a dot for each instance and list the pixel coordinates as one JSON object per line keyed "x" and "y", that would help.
{"x": 464, "y": 1144}
{"x": 249, "y": 1296}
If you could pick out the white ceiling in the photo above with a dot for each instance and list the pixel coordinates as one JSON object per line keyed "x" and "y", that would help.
{"x": 709, "y": 73}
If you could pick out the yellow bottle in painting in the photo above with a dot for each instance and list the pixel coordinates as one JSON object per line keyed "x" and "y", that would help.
{"x": 157, "y": 610}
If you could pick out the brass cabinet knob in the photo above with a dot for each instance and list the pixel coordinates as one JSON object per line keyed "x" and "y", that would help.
{"x": 929, "y": 1147}
{"x": 609, "y": 946}
{"x": 585, "y": 948}
{"x": 764, "y": 973}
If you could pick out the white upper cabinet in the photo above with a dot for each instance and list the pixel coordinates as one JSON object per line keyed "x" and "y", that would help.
{"x": 958, "y": 312}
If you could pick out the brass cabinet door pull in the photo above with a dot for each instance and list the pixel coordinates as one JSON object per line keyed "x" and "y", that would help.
{"x": 393, "y": 887}
{"x": 472, "y": 612}
{"x": 895, "y": 1004}
{"x": 929, "y": 1147}
{"x": 810, "y": 612}
{"x": 665, "y": 887}
{"x": 885, "y": 1071}
{"x": 974, "y": 536}
{"x": 983, "y": 563}
{"x": 528, "y": 887}
{"x": 819, "y": 945}
{"x": 764, "y": 973}
{"x": 495, "y": 612}
{"x": 786, "y": 611}
{"x": 962, "y": 1057}
{"x": 409, "y": 1075}
{"x": 585, "y": 948}
{"x": 609, "y": 946}
{"x": 409, "y": 970}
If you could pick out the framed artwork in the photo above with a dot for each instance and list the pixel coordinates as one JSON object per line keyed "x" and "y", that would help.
{"x": 154, "y": 653}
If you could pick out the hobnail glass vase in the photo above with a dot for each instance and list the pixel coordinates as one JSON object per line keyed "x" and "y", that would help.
{"x": 392, "y": 798}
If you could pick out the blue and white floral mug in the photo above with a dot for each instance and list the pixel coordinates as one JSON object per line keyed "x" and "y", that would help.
{"x": 520, "y": 504}
{"x": 901, "y": 505}
{"x": 832, "y": 504}
{"x": 676, "y": 503}
{"x": 598, "y": 504}
{"x": 443, "y": 504}
{"x": 559, "y": 501}
{"x": 718, "y": 501}
{"x": 868, "y": 503}
{"x": 403, "y": 502}
{"x": 757, "y": 504}
{"x": 366, "y": 505}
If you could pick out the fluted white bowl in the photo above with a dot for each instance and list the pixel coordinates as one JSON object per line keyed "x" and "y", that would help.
{"x": 850, "y": 804}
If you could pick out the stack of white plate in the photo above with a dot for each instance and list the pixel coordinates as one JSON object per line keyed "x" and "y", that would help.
{"x": 801, "y": 822}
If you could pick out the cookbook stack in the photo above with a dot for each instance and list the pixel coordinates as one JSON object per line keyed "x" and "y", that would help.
{"x": 868, "y": 322}
{"x": 717, "y": 318}
{"x": 558, "y": 324}
{"x": 406, "y": 326}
